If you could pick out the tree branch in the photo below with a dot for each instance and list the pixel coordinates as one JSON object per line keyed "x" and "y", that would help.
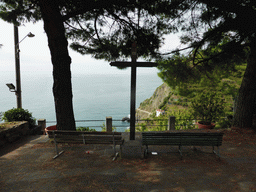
{"x": 176, "y": 51}
{"x": 96, "y": 30}
{"x": 226, "y": 6}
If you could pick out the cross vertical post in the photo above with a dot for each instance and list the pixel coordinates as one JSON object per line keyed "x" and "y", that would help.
{"x": 133, "y": 92}
{"x": 134, "y": 64}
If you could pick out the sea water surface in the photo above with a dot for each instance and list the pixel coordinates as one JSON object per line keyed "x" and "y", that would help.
{"x": 95, "y": 96}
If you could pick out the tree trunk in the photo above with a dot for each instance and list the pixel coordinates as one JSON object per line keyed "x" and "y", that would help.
{"x": 246, "y": 101}
{"x": 57, "y": 42}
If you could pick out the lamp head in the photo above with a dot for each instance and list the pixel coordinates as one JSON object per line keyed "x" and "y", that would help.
{"x": 30, "y": 34}
{"x": 11, "y": 87}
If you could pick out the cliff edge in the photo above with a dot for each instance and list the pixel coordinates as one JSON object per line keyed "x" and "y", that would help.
{"x": 149, "y": 106}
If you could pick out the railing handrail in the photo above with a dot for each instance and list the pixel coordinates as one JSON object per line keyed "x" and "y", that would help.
{"x": 170, "y": 124}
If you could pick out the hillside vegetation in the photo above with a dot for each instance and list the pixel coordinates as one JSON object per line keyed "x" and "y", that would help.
{"x": 177, "y": 101}
{"x": 163, "y": 98}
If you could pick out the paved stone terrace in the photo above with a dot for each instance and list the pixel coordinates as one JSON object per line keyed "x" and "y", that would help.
{"x": 27, "y": 165}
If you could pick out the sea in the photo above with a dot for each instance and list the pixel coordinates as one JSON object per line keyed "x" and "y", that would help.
{"x": 95, "y": 96}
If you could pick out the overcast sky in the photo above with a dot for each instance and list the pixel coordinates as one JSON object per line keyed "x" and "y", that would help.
{"x": 35, "y": 54}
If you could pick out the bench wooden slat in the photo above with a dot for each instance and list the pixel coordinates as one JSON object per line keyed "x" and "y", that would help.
{"x": 174, "y": 141}
{"x": 85, "y": 137}
{"x": 183, "y": 134}
{"x": 96, "y": 140}
{"x": 82, "y": 132}
{"x": 89, "y": 142}
{"x": 182, "y": 139}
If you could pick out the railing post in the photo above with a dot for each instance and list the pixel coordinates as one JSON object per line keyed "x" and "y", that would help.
{"x": 42, "y": 123}
{"x": 171, "y": 123}
{"x": 109, "y": 124}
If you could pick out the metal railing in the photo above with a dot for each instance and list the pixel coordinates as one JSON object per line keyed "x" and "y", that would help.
{"x": 110, "y": 123}
{"x": 141, "y": 125}
{"x": 97, "y": 124}
{"x": 171, "y": 123}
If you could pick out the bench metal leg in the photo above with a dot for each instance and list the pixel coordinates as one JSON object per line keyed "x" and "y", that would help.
{"x": 83, "y": 139}
{"x": 58, "y": 154}
{"x": 116, "y": 154}
{"x": 114, "y": 149}
{"x": 180, "y": 152}
{"x": 56, "y": 148}
{"x": 146, "y": 152}
{"x": 218, "y": 151}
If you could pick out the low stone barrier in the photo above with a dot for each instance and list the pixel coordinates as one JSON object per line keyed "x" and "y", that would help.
{"x": 10, "y": 131}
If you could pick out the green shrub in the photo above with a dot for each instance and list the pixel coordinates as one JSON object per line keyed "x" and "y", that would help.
{"x": 208, "y": 106}
{"x": 165, "y": 101}
{"x": 103, "y": 128}
{"x": 19, "y": 114}
{"x": 84, "y": 129}
{"x": 224, "y": 123}
{"x": 183, "y": 120}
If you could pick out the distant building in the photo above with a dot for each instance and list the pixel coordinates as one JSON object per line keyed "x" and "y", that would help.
{"x": 159, "y": 112}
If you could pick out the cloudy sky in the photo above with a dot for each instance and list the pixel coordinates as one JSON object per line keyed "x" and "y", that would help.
{"x": 35, "y": 54}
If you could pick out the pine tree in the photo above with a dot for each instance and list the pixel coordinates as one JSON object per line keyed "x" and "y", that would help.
{"x": 220, "y": 34}
{"x": 102, "y": 28}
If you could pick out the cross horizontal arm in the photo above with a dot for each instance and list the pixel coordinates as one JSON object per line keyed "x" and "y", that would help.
{"x": 132, "y": 64}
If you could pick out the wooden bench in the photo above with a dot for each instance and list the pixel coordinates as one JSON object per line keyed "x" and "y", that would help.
{"x": 182, "y": 139}
{"x": 85, "y": 137}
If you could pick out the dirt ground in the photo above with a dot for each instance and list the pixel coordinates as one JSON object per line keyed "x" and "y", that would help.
{"x": 28, "y": 166}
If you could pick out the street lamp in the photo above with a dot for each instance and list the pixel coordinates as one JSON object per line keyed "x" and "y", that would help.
{"x": 17, "y": 65}
{"x": 11, "y": 87}
{"x": 28, "y": 35}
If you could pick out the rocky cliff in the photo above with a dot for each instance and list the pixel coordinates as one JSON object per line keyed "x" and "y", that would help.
{"x": 163, "y": 98}
{"x": 149, "y": 106}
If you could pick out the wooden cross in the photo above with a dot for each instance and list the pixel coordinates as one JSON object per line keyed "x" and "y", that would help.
{"x": 134, "y": 64}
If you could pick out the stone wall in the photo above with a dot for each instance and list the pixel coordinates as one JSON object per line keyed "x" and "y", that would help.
{"x": 10, "y": 131}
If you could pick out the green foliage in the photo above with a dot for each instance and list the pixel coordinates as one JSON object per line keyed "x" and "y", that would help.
{"x": 176, "y": 70}
{"x": 143, "y": 127}
{"x": 109, "y": 34}
{"x": 218, "y": 39}
{"x": 193, "y": 79}
{"x": 218, "y": 83}
{"x": 19, "y": 11}
{"x": 155, "y": 124}
{"x": 19, "y": 114}
{"x": 103, "y": 128}
{"x": 84, "y": 129}
{"x": 181, "y": 101}
{"x": 165, "y": 101}
{"x": 208, "y": 106}
{"x": 146, "y": 102}
{"x": 183, "y": 121}
{"x": 153, "y": 114}
{"x": 106, "y": 31}
{"x": 224, "y": 123}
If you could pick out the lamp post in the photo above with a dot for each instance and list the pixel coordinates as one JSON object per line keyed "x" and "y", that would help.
{"x": 17, "y": 63}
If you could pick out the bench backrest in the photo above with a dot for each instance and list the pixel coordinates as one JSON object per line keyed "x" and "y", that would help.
{"x": 182, "y": 138}
{"x": 86, "y": 137}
